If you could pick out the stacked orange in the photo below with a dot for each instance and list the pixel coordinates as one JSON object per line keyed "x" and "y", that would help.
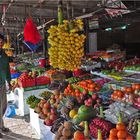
{"x": 70, "y": 91}
{"x": 119, "y": 133}
{"x": 117, "y": 94}
{"x": 89, "y": 85}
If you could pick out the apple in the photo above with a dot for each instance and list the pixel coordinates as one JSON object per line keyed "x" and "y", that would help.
{"x": 53, "y": 117}
{"x": 47, "y": 105}
{"x": 48, "y": 114}
{"x": 94, "y": 96}
{"x": 89, "y": 100}
{"x": 53, "y": 111}
{"x": 48, "y": 122}
{"x": 45, "y": 111}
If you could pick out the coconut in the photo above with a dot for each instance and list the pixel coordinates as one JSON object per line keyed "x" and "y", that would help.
{"x": 60, "y": 129}
{"x": 67, "y": 125}
{"x": 56, "y": 92}
{"x": 66, "y": 132}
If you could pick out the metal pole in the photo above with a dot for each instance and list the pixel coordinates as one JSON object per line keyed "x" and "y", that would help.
{"x": 44, "y": 43}
{"x": 86, "y": 31}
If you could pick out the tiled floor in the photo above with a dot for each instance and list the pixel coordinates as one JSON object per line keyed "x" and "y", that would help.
{"x": 20, "y": 129}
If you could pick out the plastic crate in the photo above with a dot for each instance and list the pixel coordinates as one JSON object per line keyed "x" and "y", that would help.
{"x": 27, "y": 83}
{"x": 15, "y": 75}
{"x": 42, "y": 80}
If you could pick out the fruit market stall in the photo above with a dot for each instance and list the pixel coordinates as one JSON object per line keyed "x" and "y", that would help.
{"x": 79, "y": 96}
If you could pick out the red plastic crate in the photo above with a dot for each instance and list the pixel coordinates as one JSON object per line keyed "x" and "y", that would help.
{"x": 27, "y": 83}
{"x": 43, "y": 80}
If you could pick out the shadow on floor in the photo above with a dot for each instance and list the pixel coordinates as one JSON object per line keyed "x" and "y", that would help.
{"x": 14, "y": 136}
{"x": 26, "y": 117}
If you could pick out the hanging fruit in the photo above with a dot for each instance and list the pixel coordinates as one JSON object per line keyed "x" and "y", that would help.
{"x": 67, "y": 45}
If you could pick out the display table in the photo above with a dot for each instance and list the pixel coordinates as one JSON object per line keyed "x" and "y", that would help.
{"x": 22, "y": 95}
{"x": 42, "y": 130}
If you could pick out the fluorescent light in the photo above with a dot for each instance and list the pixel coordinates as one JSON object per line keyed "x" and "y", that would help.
{"x": 124, "y": 27}
{"x": 108, "y": 29}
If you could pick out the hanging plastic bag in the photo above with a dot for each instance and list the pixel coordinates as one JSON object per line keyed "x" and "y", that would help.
{"x": 10, "y": 111}
{"x": 31, "y": 33}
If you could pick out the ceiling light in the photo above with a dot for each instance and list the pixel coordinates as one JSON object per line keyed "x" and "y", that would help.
{"x": 108, "y": 29}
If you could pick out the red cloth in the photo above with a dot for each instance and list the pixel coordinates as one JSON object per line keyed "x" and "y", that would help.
{"x": 31, "y": 33}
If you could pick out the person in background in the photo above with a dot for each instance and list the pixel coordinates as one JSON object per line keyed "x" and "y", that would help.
{"x": 5, "y": 78}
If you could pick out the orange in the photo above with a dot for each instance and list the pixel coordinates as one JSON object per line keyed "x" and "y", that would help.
{"x": 78, "y": 135}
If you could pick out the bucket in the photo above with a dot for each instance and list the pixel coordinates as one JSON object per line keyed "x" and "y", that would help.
{"x": 42, "y": 62}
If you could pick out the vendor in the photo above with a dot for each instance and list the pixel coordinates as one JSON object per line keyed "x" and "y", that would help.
{"x": 5, "y": 78}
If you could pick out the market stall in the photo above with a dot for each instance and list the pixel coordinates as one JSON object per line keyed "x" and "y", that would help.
{"x": 69, "y": 92}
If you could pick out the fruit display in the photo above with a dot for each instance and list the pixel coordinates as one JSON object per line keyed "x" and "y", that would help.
{"x": 71, "y": 91}
{"x": 9, "y": 52}
{"x": 120, "y": 65}
{"x": 127, "y": 112}
{"x": 65, "y": 131}
{"x": 32, "y": 101}
{"x": 31, "y": 79}
{"x": 46, "y": 112}
{"x": 133, "y": 68}
{"x": 66, "y": 48}
{"x": 25, "y": 80}
{"x": 127, "y": 94}
{"x": 102, "y": 81}
{"x": 120, "y": 132}
{"x": 46, "y": 95}
{"x": 94, "y": 101}
{"x": 101, "y": 124}
{"x": 84, "y": 114}
{"x": 59, "y": 85}
{"x": 73, "y": 80}
{"x": 55, "y": 99}
{"x": 51, "y": 72}
{"x": 89, "y": 85}
{"x": 71, "y": 106}
{"x": 12, "y": 71}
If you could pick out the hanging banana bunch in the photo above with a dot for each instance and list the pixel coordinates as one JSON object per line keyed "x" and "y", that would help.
{"x": 7, "y": 45}
{"x": 67, "y": 45}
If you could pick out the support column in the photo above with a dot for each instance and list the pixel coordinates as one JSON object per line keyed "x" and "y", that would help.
{"x": 86, "y": 32}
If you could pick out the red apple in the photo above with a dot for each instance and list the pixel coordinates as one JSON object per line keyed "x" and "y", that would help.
{"x": 48, "y": 122}
{"x": 87, "y": 103}
{"x": 53, "y": 111}
{"x": 94, "y": 96}
{"x": 47, "y": 105}
{"x": 53, "y": 117}
{"x": 89, "y": 100}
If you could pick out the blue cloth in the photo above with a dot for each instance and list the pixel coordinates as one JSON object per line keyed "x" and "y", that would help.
{"x": 31, "y": 46}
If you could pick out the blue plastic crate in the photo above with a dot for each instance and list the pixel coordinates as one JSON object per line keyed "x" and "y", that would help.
{"x": 16, "y": 75}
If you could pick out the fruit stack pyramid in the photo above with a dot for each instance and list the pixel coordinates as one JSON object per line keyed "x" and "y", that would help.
{"x": 67, "y": 46}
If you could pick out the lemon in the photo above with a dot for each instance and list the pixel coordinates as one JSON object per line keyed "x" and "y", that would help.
{"x": 72, "y": 113}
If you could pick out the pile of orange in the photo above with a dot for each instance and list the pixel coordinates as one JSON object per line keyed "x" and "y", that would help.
{"x": 89, "y": 85}
{"x": 119, "y": 133}
{"x": 70, "y": 91}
